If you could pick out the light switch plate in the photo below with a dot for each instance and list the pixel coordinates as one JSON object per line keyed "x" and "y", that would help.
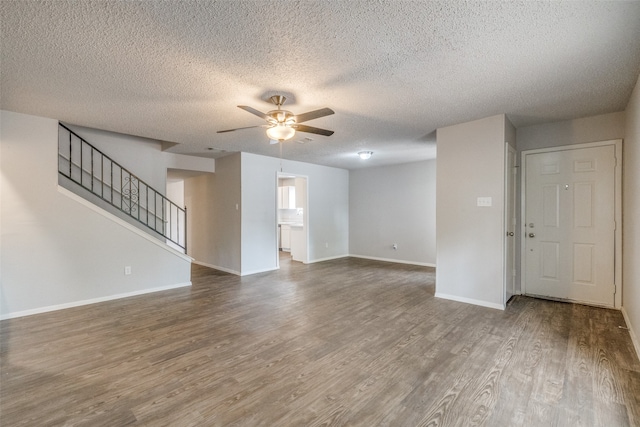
{"x": 485, "y": 201}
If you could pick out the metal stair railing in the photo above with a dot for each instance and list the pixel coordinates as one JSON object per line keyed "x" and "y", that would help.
{"x": 105, "y": 178}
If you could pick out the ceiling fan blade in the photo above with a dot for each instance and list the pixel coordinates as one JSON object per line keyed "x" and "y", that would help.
{"x": 254, "y": 111}
{"x": 311, "y": 129}
{"x": 247, "y": 127}
{"x": 315, "y": 114}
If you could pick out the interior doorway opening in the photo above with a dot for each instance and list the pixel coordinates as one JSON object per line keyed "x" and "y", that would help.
{"x": 292, "y": 217}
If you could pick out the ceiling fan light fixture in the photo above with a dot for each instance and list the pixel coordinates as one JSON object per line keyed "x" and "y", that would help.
{"x": 281, "y": 132}
{"x": 282, "y": 124}
{"x": 364, "y": 155}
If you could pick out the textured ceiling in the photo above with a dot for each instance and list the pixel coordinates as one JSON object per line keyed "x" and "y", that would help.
{"x": 393, "y": 71}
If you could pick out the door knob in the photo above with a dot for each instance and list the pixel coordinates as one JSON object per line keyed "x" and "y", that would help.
{"x": 532, "y": 234}
{"x": 509, "y": 233}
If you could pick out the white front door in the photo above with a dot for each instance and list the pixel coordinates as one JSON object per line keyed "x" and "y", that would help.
{"x": 570, "y": 224}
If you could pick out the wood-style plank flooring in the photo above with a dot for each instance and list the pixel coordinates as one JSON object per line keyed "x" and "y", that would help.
{"x": 348, "y": 342}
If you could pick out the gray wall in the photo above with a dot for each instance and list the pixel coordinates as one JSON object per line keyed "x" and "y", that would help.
{"x": 394, "y": 204}
{"x": 470, "y": 239}
{"x": 57, "y": 250}
{"x": 328, "y": 213}
{"x": 142, "y": 156}
{"x": 244, "y": 241}
{"x": 259, "y": 212}
{"x": 589, "y": 129}
{"x": 213, "y": 222}
{"x": 631, "y": 217}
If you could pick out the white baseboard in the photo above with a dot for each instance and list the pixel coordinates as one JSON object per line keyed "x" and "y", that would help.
{"x": 90, "y": 301}
{"x": 326, "y": 259}
{"x": 248, "y": 273}
{"x": 634, "y": 337}
{"x": 237, "y": 273}
{"x": 397, "y": 261}
{"x": 215, "y": 267}
{"x": 470, "y": 301}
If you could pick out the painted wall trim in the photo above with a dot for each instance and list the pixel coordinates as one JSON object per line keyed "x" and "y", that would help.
{"x": 92, "y": 301}
{"x": 121, "y": 222}
{"x": 397, "y": 261}
{"x": 266, "y": 270}
{"x": 632, "y": 333}
{"x": 228, "y": 270}
{"x": 470, "y": 301}
{"x": 327, "y": 259}
{"x": 216, "y": 267}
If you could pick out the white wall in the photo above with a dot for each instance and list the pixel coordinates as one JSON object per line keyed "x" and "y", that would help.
{"x": 470, "y": 239}
{"x": 56, "y": 250}
{"x": 259, "y": 204}
{"x": 631, "y": 217}
{"x": 213, "y": 222}
{"x": 142, "y": 156}
{"x": 588, "y": 129}
{"x": 182, "y": 162}
{"x": 328, "y": 215}
{"x": 175, "y": 191}
{"x": 394, "y": 204}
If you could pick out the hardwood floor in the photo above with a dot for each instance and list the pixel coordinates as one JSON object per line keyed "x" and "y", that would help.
{"x": 348, "y": 342}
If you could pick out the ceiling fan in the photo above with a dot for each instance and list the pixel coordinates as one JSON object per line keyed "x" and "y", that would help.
{"x": 282, "y": 124}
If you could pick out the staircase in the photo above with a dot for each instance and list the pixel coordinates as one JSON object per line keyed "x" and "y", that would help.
{"x": 103, "y": 181}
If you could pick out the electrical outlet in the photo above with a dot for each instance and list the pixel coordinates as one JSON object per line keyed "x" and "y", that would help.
{"x": 127, "y": 270}
{"x": 484, "y": 202}
{"x": 326, "y": 244}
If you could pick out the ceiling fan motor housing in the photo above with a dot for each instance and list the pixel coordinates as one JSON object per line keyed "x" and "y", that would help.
{"x": 278, "y": 100}
{"x": 281, "y": 117}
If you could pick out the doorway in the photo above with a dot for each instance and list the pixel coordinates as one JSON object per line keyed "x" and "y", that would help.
{"x": 292, "y": 213}
{"x": 571, "y": 243}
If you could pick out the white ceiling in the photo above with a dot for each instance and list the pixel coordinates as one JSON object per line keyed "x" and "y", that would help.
{"x": 393, "y": 71}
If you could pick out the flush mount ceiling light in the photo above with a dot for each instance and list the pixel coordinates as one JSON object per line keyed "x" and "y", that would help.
{"x": 282, "y": 124}
{"x": 364, "y": 155}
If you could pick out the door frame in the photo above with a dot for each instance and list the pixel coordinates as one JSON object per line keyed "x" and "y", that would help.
{"x": 510, "y": 174}
{"x": 617, "y": 143}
